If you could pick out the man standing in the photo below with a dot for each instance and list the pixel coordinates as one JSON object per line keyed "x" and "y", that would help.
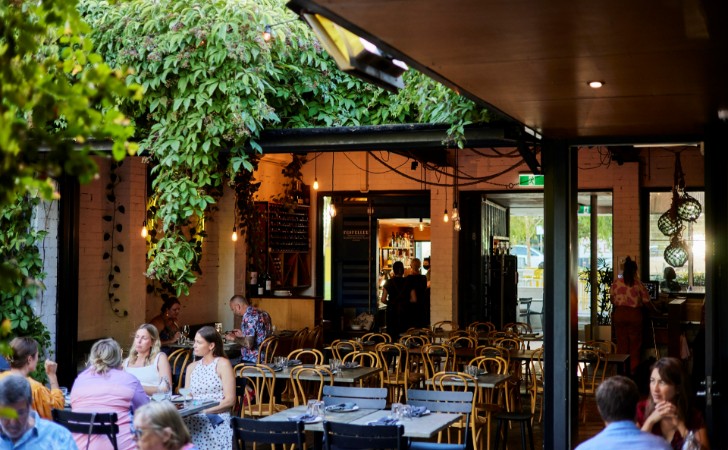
{"x": 255, "y": 326}
{"x": 27, "y": 430}
{"x": 617, "y": 399}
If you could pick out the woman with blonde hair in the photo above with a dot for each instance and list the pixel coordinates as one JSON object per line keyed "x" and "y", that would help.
{"x": 23, "y": 362}
{"x": 158, "y": 426}
{"x": 105, "y": 388}
{"x": 146, "y": 361}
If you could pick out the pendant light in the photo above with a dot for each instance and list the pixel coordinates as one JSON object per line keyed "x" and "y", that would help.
{"x": 446, "y": 217}
{"x": 234, "y": 236}
{"x": 332, "y": 208}
{"x": 315, "y": 177}
{"x": 455, "y": 215}
{"x": 422, "y": 225}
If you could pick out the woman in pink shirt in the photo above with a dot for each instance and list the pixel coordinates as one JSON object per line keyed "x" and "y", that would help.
{"x": 105, "y": 388}
{"x": 628, "y": 294}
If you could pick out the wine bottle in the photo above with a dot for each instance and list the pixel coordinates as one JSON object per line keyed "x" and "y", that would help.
{"x": 253, "y": 284}
{"x": 268, "y": 283}
{"x": 261, "y": 285}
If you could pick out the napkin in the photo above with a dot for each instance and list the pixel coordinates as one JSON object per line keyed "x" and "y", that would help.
{"x": 419, "y": 411}
{"x": 294, "y": 362}
{"x": 384, "y": 420}
{"x": 302, "y": 418}
{"x": 341, "y": 406}
{"x": 214, "y": 419}
{"x": 351, "y": 365}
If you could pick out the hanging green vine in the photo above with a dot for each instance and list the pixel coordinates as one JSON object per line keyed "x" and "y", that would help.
{"x": 212, "y": 84}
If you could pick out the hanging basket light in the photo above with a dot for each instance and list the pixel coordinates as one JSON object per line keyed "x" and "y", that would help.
{"x": 669, "y": 224}
{"x": 688, "y": 208}
{"x": 676, "y": 254}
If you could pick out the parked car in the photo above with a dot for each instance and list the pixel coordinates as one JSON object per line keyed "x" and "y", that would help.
{"x": 521, "y": 252}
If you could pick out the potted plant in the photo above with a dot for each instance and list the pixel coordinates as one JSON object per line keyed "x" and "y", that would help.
{"x": 605, "y": 277}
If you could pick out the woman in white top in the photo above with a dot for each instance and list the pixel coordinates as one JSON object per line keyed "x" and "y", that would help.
{"x": 146, "y": 361}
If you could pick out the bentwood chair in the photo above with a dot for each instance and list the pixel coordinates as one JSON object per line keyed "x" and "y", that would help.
{"x": 305, "y": 390}
{"x": 590, "y": 372}
{"x": 347, "y": 436}
{"x": 341, "y": 347}
{"x": 250, "y": 431}
{"x": 91, "y": 424}
{"x": 262, "y": 380}
{"x": 536, "y": 387}
{"x": 395, "y": 364}
{"x": 307, "y": 356}
{"x": 376, "y": 337}
{"x": 438, "y": 358}
{"x": 367, "y": 359}
{"x": 267, "y": 349}
{"x": 178, "y": 361}
{"x": 453, "y": 382}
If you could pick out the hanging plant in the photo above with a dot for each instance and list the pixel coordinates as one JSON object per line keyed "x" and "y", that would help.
{"x": 605, "y": 278}
{"x": 112, "y": 248}
{"x": 292, "y": 193}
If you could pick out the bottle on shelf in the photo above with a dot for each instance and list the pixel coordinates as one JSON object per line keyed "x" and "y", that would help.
{"x": 261, "y": 285}
{"x": 268, "y": 284}
{"x": 253, "y": 284}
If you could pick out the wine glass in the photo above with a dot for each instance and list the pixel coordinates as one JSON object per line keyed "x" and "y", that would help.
{"x": 186, "y": 394}
{"x": 186, "y": 332}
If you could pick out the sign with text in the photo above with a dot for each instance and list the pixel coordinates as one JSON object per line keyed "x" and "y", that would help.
{"x": 529, "y": 179}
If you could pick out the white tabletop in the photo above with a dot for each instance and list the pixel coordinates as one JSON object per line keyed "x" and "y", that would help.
{"x": 195, "y": 406}
{"x": 345, "y": 376}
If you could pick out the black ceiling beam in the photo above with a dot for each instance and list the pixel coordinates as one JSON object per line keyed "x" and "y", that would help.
{"x": 410, "y": 137}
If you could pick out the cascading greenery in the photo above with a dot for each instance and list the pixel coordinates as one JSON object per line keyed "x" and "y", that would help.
{"x": 211, "y": 84}
{"x": 56, "y": 96}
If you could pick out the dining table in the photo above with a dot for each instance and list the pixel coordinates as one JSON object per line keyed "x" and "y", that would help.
{"x": 194, "y": 406}
{"x": 620, "y": 360}
{"x": 486, "y": 380}
{"x": 424, "y": 427}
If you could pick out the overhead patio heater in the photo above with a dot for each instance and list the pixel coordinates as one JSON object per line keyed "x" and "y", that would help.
{"x": 356, "y": 55}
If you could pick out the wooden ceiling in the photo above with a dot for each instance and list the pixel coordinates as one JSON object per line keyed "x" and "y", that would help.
{"x": 664, "y": 62}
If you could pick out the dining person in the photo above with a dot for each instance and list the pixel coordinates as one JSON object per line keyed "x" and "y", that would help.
{"x": 668, "y": 411}
{"x": 23, "y": 362}
{"x": 146, "y": 361}
{"x": 629, "y": 295}
{"x": 255, "y": 326}
{"x": 27, "y": 430}
{"x": 166, "y": 323}
{"x": 617, "y": 399}
{"x": 669, "y": 284}
{"x": 211, "y": 378}
{"x": 105, "y": 388}
{"x": 158, "y": 426}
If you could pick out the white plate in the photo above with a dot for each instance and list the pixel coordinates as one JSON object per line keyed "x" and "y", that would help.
{"x": 316, "y": 420}
{"x": 334, "y": 410}
{"x": 282, "y": 293}
{"x": 178, "y": 398}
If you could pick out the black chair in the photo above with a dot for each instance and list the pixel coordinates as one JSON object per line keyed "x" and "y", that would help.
{"x": 454, "y": 402}
{"x": 347, "y": 436}
{"x": 88, "y": 423}
{"x": 524, "y": 309}
{"x": 365, "y": 398}
{"x": 273, "y": 433}
{"x": 523, "y": 418}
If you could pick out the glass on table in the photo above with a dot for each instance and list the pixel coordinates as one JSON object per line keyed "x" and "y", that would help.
{"x": 396, "y": 412}
{"x": 186, "y": 394}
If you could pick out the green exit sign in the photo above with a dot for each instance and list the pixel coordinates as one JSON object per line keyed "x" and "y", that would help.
{"x": 584, "y": 209}
{"x": 526, "y": 179}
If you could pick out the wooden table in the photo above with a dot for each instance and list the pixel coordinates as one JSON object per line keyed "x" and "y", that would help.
{"x": 421, "y": 427}
{"x": 488, "y": 381}
{"x": 621, "y": 360}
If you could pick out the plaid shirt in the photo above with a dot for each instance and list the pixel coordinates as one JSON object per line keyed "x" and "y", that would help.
{"x": 255, "y": 322}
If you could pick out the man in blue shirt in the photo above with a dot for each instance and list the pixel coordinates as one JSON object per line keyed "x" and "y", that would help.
{"x": 27, "y": 431}
{"x": 617, "y": 399}
{"x": 255, "y": 326}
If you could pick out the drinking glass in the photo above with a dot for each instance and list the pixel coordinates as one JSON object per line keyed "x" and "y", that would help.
{"x": 312, "y": 408}
{"x": 186, "y": 331}
{"x": 186, "y": 394}
{"x": 396, "y": 411}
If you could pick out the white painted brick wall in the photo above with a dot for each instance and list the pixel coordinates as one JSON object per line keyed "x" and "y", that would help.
{"x": 45, "y": 217}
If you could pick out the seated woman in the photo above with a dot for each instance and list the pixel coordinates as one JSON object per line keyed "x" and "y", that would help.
{"x": 105, "y": 388}
{"x": 146, "y": 361}
{"x": 668, "y": 410}
{"x": 211, "y": 378}
{"x": 166, "y": 323}
{"x": 158, "y": 425}
{"x": 669, "y": 284}
{"x": 23, "y": 362}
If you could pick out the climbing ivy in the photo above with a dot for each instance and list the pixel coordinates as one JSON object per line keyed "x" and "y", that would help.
{"x": 211, "y": 84}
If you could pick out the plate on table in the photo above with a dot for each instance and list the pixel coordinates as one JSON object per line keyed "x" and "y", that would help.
{"x": 341, "y": 409}
{"x": 177, "y": 398}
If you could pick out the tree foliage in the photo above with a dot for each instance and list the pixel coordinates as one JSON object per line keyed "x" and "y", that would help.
{"x": 211, "y": 84}
{"x": 55, "y": 96}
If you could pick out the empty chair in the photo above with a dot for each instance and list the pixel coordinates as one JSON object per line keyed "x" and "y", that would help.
{"x": 89, "y": 424}
{"x": 367, "y": 359}
{"x": 306, "y": 389}
{"x": 376, "y": 337}
{"x": 536, "y": 385}
{"x": 438, "y": 358}
{"x": 443, "y": 402}
{"x": 452, "y": 382}
{"x": 524, "y": 309}
{"x": 314, "y": 337}
{"x": 365, "y": 398}
{"x": 414, "y": 340}
{"x": 250, "y": 431}
{"x": 178, "y": 361}
{"x": 347, "y": 436}
{"x": 341, "y": 347}
{"x": 299, "y": 338}
{"x": 590, "y": 372}
{"x": 262, "y": 380}
{"x": 395, "y": 364}
{"x": 267, "y": 349}
{"x": 307, "y": 356}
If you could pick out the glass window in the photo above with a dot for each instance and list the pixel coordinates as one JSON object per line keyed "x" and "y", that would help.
{"x": 691, "y": 276}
